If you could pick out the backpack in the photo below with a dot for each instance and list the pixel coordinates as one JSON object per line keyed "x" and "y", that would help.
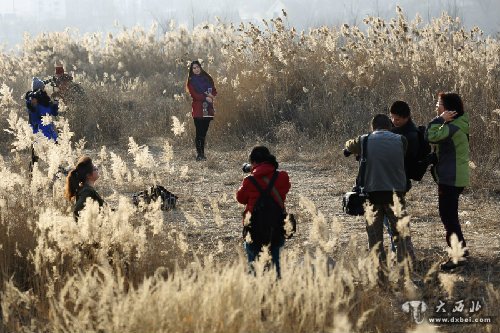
{"x": 418, "y": 170}
{"x": 168, "y": 199}
{"x": 268, "y": 217}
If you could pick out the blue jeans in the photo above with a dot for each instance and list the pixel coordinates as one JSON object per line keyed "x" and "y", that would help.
{"x": 253, "y": 252}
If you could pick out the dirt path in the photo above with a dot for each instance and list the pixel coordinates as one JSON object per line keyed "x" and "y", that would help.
{"x": 207, "y": 196}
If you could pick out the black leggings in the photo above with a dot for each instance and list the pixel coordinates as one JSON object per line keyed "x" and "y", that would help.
{"x": 448, "y": 211}
{"x": 201, "y": 125}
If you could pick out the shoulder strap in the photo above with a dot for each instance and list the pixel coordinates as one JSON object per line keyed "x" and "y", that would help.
{"x": 270, "y": 186}
{"x": 255, "y": 183}
{"x": 362, "y": 162}
{"x": 270, "y": 183}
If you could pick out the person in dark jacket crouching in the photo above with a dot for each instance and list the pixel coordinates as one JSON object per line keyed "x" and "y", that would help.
{"x": 80, "y": 184}
{"x": 263, "y": 171}
{"x": 384, "y": 177}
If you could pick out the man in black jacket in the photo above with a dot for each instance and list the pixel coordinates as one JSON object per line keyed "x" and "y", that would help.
{"x": 404, "y": 125}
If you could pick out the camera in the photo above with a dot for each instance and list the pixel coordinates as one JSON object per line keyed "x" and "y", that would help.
{"x": 52, "y": 81}
{"x": 247, "y": 167}
{"x": 347, "y": 153}
{"x": 33, "y": 94}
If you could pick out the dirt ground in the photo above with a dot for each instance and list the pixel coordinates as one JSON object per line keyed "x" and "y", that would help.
{"x": 322, "y": 179}
{"x": 210, "y": 218}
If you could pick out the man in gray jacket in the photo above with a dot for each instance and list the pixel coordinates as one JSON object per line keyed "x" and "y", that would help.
{"x": 384, "y": 178}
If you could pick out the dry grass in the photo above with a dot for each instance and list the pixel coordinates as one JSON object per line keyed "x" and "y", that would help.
{"x": 301, "y": 93}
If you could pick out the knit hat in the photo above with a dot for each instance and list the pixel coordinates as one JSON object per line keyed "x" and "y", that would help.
{"x": 37, "y": 84}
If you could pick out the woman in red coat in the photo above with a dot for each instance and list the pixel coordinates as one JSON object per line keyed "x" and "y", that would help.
{"x": 200, "y": 86}
{"x": 263, "y": 168}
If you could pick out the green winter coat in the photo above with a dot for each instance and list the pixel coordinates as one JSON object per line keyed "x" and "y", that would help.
{"x": 452, "y": 141}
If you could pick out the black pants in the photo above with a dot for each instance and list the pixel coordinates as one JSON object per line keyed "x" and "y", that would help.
{"x": 34, "y": 158}
{"x": 448, "y": 211}
{"x": 201, "y": 125}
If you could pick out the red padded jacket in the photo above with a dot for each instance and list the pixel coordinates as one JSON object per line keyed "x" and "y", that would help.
{"x": 248, "y": 194}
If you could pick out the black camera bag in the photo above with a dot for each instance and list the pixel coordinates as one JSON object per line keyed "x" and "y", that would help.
{"x": 353, "y": 202}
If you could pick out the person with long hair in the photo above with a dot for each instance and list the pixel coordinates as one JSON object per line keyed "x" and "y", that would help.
{"x": 201, "y": 87}
{"x": 80, "y": 184}
{"x": 449, "y": 130}
{"x": 264, "y": 178}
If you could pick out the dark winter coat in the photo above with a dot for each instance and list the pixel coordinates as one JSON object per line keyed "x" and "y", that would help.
{"x": 83, "y": 193}
{"x": 410, "y": 132}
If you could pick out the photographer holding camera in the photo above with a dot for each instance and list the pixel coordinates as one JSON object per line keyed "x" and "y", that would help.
{"x": 384, "y": 175}
{"x": 263, "y": 193}
{"x": 38, "y": 106}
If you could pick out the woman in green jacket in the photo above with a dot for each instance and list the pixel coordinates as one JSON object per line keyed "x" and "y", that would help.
{"x": 80, "y": 184}
{"x": 450, "y": 132}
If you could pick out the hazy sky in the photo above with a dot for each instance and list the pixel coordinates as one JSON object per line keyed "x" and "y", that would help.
{"x": 35, "y": 16}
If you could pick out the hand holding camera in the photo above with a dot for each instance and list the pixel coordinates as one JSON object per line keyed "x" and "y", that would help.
{"x": 347, "y": 153}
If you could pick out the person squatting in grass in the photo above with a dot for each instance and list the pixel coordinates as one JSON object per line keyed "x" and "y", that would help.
{"x": 80, "y": 184}
{"x": 38, "y": 106}
{"x": 200, "y": 86}
{"x": 264, "y": 179}
{"x": 384, "y": 176}
{"x": 449, "y": 130}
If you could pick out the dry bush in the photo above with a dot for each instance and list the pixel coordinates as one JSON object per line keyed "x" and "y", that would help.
{"x": 326, "y": 81}
{"x": 130, "y": 269}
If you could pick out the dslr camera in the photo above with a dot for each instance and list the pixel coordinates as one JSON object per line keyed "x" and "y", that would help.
{"x": 347, "y": 153}
{"x": 51, "y": 80}
{"x": 247, "y": 167}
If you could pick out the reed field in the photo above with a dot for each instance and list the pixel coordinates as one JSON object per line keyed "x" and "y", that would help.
{"x": 301, "y": 93}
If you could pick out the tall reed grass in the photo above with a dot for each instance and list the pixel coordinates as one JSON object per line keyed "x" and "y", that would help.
{"x": 130, "y": 270}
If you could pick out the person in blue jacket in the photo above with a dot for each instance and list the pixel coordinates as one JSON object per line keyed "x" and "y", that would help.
{"x": 38, "y": 105}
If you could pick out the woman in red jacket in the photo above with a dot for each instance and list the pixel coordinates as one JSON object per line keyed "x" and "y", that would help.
{"x": 263, "y": 169}
{"x": 200, "y": 86}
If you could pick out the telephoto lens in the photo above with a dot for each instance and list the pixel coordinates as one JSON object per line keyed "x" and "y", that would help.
{"x": 247, "y": 167}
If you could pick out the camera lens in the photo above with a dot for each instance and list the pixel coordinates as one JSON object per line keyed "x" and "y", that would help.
{"x": 246, "y": 167}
